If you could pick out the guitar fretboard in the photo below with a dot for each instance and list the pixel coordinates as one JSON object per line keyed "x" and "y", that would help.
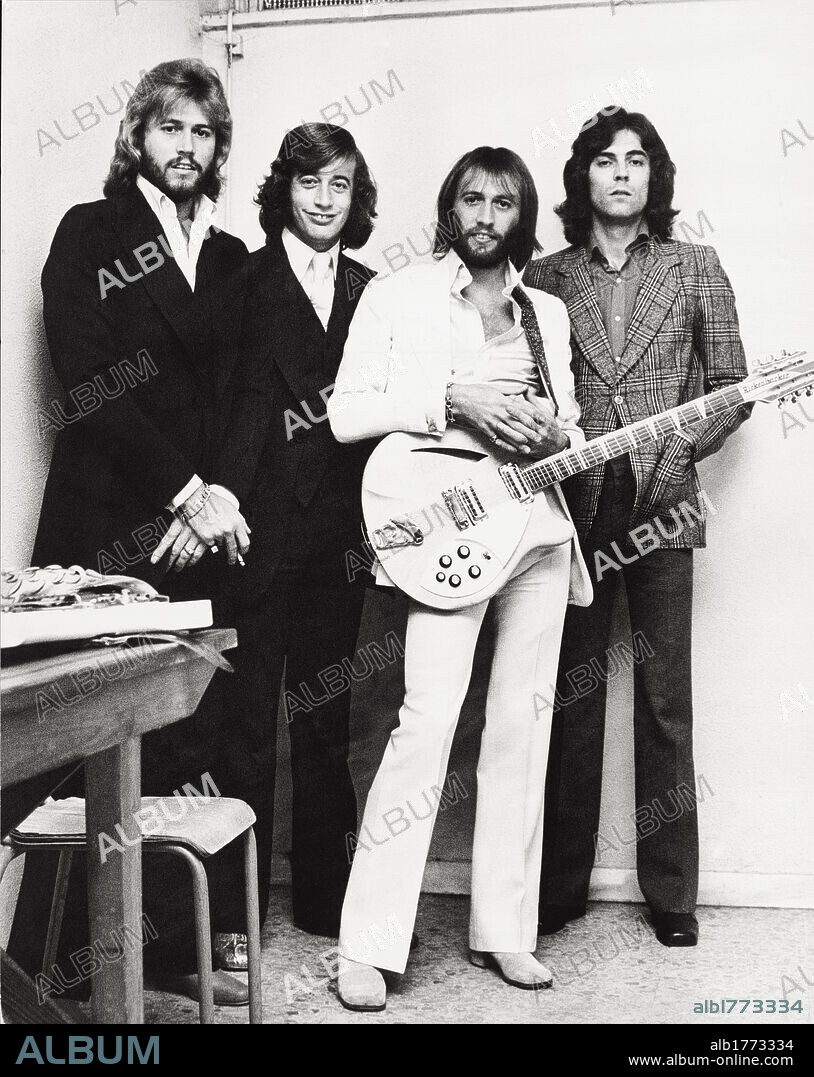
{"x": 656, "y": 427}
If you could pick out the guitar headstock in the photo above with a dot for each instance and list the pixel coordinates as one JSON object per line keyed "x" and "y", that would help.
{"x": 784, "y": 378}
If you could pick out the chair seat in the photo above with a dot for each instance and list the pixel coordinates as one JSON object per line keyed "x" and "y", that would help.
{"x": 204, "y": 824}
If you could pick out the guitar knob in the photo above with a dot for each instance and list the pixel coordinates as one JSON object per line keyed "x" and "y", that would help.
{"x": 463, "y": 552}
{"x": 455, "y": 581}
{"x": 440, "y": 576}
{"x": 445, "y": 561}
{"x": 474, "y": 571}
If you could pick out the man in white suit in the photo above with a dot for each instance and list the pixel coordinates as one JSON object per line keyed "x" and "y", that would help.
{"x": 462, "y": 341}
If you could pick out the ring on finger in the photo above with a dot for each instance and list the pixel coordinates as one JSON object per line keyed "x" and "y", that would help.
{"x": 213, "y": 549}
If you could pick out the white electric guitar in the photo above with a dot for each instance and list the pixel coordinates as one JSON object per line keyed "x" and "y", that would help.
{"x": 447, "y": 518}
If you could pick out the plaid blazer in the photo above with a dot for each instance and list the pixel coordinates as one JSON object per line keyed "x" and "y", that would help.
{"x": 682, "y": 342}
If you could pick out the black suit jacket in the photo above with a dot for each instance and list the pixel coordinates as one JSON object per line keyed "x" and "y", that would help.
{"x": 278, "y": 454}
{"x": 145, "y": 369}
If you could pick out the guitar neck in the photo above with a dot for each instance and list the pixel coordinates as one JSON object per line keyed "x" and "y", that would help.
{"x": 563, "y": 465}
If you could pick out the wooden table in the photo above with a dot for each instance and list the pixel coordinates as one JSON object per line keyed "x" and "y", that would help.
{"x": 93, "y": 706}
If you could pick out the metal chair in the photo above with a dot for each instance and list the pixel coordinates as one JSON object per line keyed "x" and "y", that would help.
{"x": 193, "y": 828}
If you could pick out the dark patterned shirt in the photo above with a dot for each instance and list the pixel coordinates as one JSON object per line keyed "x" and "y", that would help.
{"x": 616, "y": 289}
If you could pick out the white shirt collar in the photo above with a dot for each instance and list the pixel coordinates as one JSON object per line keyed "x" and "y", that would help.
{"x": 300, "y": 254}
{"x": 164, "y": 207}
{"x": 459, "y": 275}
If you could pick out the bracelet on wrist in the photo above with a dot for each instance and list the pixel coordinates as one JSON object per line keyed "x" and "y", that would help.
{"x": 185, "y": 512}
{"x": 449, "y": 411}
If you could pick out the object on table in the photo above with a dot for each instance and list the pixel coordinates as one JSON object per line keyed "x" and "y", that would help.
{"x": 42, "y": 605}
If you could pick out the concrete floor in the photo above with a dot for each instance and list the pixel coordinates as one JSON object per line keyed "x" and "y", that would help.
{"x": 608, "y": 968}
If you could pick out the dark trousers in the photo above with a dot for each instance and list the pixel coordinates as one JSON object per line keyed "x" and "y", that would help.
{"x": 301, "y": 634}
{"x": 659, "y": 597}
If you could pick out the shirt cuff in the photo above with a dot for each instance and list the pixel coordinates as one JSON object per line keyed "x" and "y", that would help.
{"x": 186, "y": 493}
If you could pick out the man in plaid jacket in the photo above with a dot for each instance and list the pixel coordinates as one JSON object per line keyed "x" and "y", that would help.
{"x": 653, "y": 325}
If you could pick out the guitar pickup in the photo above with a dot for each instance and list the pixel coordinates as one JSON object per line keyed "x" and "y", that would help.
{"x": 470, "y": 501}
{"x": 515, "y": 482}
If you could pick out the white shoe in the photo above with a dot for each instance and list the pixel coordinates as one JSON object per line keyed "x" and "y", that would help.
{"x": 360, "y": 987}
{"x": 519, "y": 970}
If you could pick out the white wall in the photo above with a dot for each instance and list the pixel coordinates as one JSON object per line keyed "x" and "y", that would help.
{"x": 720, "y": 80}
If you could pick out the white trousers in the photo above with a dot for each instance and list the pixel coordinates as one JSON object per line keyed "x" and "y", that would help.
{"x": 385, "y": 883}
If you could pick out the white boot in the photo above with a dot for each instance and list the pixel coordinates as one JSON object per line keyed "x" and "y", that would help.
{"x": 519, "y": 970}
{"x": 360, "y": 987}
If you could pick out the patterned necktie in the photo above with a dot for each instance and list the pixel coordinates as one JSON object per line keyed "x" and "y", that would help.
{"x": 528, "y": 320}
{"x": 319, "y": 284}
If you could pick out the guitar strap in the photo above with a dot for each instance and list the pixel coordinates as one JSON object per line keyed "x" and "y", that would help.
{"x": 528, "y": 320}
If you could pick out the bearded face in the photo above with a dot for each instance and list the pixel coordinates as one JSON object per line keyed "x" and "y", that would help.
{"x": 178, "y": 156}
{"x": 487, "y": 215}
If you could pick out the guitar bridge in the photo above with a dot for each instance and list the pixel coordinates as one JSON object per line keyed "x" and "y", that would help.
{"x": 515, "y": 482}
{"x": 463, "y": 504}
{"x": 456, "y": 508}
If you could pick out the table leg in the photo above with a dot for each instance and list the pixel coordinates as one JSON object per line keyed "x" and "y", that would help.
{"x": 113, "y": 784}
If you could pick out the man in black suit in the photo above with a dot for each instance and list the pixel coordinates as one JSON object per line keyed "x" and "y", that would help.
{"x": 141, "y": 293}
{"x": 295, "y": 603}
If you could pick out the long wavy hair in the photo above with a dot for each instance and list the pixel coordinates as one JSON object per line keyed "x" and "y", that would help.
{"x": 156, "y": 95}
{"x": 501, "y": 165}
{"x": 305, "y": 150}
{"x": 596, "y": 135}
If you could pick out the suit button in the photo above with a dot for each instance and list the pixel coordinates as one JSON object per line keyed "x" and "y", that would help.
{"x": 455, "y": 581}
{"x": 618, "y": 399}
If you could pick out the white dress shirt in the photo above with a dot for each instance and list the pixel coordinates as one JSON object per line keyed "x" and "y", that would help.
{"x": 186, "y": 254}
{"x": 315, "y": 271}
{"x": 506, "y": 361}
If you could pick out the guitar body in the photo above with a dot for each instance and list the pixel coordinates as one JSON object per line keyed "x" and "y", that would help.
{"x": 459, "y": 561}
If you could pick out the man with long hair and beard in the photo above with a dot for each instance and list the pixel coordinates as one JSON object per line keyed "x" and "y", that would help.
{"x": 144, "y": 277}
{"x": 462, "y": 341}
{"x": 652, "y": 320}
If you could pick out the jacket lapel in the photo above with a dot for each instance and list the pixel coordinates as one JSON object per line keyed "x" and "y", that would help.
{"x": 137, "y": 224}
{"x": 222, "y": 283}
{"x": 577, "y": 292}
{"x": 282, "y": 319}
{"x": 657, "y": 292}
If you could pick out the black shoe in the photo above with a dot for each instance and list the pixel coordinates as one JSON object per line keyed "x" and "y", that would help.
{"x": 226, "y": 990}
{"x": 676, "y": 928}
{"x": 553, "y": 918}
